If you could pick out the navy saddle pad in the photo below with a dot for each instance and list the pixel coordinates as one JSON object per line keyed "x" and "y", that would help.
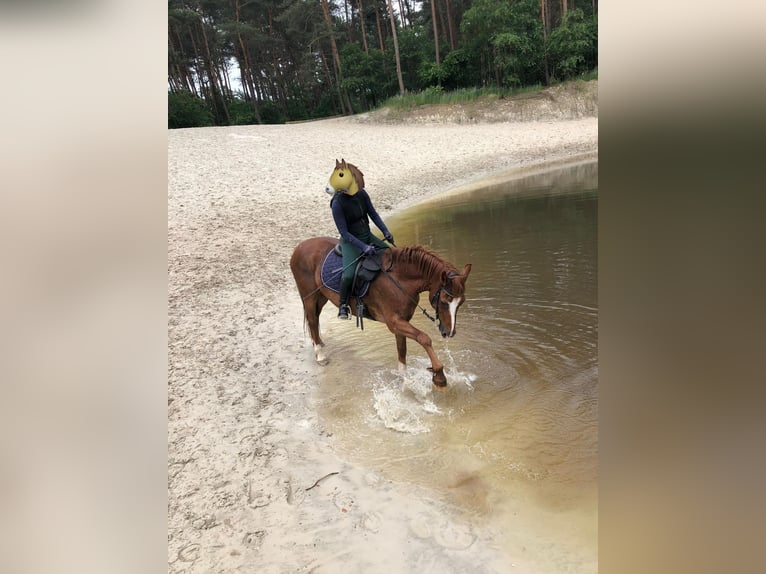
{"x": 332, "y": 269}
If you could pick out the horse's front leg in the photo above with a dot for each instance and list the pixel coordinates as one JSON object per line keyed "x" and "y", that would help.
{"x": 402, "y": 328}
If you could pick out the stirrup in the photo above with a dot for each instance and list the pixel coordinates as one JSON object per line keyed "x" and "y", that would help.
{"x": 344, "y": 312}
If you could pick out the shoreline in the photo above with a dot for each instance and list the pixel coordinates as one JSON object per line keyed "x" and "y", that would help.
{"x": 245, "y": 444}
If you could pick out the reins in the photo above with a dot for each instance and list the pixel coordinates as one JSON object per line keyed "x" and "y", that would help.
{"x": 434, "y": 300}
{"x": 395, "y": 282}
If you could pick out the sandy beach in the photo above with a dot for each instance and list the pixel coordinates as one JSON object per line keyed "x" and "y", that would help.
{"x": 254, "y": 481}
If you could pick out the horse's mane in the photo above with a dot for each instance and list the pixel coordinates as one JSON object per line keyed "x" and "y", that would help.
{"x": 424, "y": 258}
{"x": 356, "y": 174}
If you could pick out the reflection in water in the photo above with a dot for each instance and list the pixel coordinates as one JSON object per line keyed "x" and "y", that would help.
{"x": 514, "y": 442}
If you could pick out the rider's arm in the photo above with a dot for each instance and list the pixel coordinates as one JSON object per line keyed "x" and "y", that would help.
{"x": 374, "y": 214}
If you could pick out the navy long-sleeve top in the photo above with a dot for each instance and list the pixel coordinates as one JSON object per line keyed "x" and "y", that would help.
{"x": 351, "y": 212}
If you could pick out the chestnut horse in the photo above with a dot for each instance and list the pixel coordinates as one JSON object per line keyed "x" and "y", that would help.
{"x": 392, "y": 297}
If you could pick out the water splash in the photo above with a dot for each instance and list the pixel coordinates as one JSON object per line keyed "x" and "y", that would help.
{"x": 453, "y": 373}
{"x": 403, "y": 401}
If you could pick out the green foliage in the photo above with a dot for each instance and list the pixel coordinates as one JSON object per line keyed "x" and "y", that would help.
{"x": 505, "y": 40}
{"x": 454, "y": 72}
{"x": 438, "y": 95}
{"x": 287, "y": 48}
{"x": 573, "y": 45}
{"x": 459, "y": 71}
{"x": 242, "y": 113}
{"x": 432, "y": 74}
{"x": 364, "y": 78}
{"x": 187, "y": 111}
{"x": 271, "y": 114}
{"x": 414, "y": 49}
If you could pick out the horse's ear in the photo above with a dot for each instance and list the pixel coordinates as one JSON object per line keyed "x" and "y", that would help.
{"x": 343, "y": 163}
{"x": 337, "y": 163}
{"x": 466, "y": 271}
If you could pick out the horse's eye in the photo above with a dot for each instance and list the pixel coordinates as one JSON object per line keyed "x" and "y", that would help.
{"x": 340, "y": 174}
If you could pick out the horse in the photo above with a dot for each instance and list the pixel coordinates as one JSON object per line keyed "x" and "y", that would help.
{"x": 392, "y": 297}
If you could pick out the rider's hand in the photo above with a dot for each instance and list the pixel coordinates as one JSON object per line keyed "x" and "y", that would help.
{"x": 369, "y": 250}
{"x": 390, "y": 238}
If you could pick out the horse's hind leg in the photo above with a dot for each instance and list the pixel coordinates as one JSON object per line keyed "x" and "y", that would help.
{"x": 312, "y": 306}
{"x": 401, "y": 350}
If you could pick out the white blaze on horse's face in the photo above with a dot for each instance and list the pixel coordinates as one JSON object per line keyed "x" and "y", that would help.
{"x": 454, "y": 304}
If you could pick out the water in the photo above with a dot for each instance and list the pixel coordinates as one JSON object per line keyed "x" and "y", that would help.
{"x": 513, "y": 443}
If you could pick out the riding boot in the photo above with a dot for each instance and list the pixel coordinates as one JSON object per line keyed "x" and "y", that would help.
{"x": 344, "y": 311}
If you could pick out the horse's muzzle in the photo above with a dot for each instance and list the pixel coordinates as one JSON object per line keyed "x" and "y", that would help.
{"x": 445, "y": 333}
{"x": 329, "y": 189}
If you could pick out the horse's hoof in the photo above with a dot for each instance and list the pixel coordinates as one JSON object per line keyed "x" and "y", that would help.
{"x": 323, "y": 362}
{"x": 439, "y": 380}
{"x": 441, "y": 388}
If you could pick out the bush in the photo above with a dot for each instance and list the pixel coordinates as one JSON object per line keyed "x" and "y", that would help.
{"x": 185, "y": 110}
{"x": 573, "y": 45}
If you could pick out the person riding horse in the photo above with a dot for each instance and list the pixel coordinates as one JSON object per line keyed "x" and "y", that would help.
{"x": 351, "y": 209}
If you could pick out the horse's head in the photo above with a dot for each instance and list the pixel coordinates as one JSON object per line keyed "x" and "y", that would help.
{"x": 448, "y": 298}
{"x": 346, "y": 177}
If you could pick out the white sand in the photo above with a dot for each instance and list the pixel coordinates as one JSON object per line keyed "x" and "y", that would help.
{"x": 244, "y": 440}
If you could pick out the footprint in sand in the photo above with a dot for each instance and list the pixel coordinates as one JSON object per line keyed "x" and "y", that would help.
{"x": 257, "y": 496}
{"x": 343, "y": 501}
{"x": 454, "y": 536}
{"x": 189, "y": 553}
{"x": 371, "y": 521}
{"x": 253, "y": 539}
{"x": 420, "y": 527}
{"x": 446, "y": 533}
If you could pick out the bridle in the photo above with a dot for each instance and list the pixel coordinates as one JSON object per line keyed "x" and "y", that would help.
{"x": 434, "y": 300}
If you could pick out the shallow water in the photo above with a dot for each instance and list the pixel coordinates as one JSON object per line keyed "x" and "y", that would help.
{"x": 513, "y": 443}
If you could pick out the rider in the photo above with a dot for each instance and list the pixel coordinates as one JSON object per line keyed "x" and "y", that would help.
{"x": 350, "y": 210}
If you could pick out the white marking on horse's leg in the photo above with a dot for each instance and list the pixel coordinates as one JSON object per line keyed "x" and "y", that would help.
{"x": 319, "y": 354}
{"x": 453, "y": 314}
{"x": 402, "y": 367}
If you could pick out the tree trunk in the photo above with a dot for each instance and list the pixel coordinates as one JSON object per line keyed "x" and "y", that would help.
{"x": 436, "y": 32}
{"x": 245, "y": 69}
{"x": 362, "y": 26}
{"x": 440, "y": 12}
{"x": 380, "y": 31}
{"x": 215, "y": 86}
{"x": 396, "y": 49}
{"x": 335, "y": 55}
{"x": 187, "y": 74}
{"x": 544, "y": 18}
{"x": 450, "y": 25}
{"x": 408, "y": 9}
{"x": 349, "y": 27}
{"x": 563, "y": 9}
{"x": 198, "y": 70}
{"x": 401, "y": 15}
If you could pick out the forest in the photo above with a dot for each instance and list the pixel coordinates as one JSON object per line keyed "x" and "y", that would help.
{"x": 233, "y": 62}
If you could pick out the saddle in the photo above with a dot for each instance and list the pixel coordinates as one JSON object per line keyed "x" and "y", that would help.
{"x": 367, "y": 269}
